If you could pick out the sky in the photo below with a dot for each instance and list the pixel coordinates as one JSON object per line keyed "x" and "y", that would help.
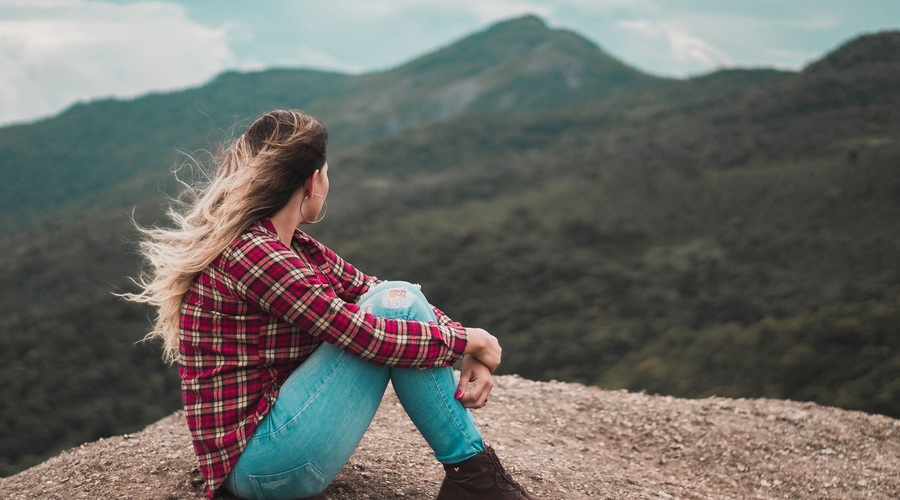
{"x": 54, "y": 53}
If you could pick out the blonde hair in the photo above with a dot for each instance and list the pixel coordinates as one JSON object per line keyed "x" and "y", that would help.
{"x": 251, "y": 179}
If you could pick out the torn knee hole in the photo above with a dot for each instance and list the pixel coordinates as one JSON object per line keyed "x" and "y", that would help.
{"x": 397, "y": 298}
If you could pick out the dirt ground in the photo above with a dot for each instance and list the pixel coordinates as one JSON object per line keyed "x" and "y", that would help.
{"x": 561, "y": 440}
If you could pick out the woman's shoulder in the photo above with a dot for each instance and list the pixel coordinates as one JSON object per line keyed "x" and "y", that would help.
{"x": 254, "y": 239}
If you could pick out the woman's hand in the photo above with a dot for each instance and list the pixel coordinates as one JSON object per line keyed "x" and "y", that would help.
{"x": 476, "y": 373}
{"x": 484, "y": 347}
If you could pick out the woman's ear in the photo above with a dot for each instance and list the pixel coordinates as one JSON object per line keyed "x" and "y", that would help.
{"x": 310, "y": 185}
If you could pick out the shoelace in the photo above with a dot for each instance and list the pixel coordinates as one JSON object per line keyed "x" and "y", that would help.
{"x": 500, "y": 475}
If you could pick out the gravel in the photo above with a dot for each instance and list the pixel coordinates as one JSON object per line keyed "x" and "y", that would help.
{"x": 561, "y": 440}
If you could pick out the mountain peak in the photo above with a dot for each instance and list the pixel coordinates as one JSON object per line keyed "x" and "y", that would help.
{"x": 527, "y": 21}
{"x": 521, "y": 64}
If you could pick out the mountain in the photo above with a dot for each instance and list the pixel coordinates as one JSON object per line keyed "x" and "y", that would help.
{"x": 511, "y": 68}
{"x": 874, "y": 49}
{"x": 516, "y": 67}
{"x": 858, "y": 75}
{"x": 730, "y": 234}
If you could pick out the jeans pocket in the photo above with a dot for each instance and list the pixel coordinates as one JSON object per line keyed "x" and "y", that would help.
{"x": 301, "y": 482}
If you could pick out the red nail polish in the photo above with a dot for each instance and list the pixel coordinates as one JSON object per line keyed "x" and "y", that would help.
{"x": 458, "y": 394}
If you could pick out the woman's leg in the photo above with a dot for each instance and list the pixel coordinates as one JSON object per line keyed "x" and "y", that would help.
{"x": 325, "y": 406}
{"x": 322, "y": 411}
{"x": 447, "y": 426}
{"x": 472, "y": 470}
{"x": 426, "y": 395}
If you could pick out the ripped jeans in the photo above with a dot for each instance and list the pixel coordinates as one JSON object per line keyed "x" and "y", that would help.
{"x": 327, "y": 403}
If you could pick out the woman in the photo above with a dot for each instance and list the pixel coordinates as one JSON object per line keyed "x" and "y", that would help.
{"x": 285, "y": 350}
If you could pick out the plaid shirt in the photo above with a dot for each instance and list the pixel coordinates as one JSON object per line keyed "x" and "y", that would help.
{"x": 257, "y": 312}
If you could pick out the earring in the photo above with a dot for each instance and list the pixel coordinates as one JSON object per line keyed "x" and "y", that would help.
{"x": 321, "y": 212}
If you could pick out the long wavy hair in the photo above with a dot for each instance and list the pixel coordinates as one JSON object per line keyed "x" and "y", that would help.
{"x": 251, "y": 179}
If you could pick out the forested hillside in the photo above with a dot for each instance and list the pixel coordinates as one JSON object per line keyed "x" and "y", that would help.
{"x": 735, "y": 234}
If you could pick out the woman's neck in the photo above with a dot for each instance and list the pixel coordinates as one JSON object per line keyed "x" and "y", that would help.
{"x": 288, "y": 218}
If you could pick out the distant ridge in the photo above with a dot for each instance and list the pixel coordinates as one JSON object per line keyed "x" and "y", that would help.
{"x": 864, "y": 50}
{"x": 559, "y": 65}
{"x": 512, "y": 68}
{"x": 861, "y": 75}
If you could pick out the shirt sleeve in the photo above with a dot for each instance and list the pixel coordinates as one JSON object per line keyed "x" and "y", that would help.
{"x": 352, "y": 283}
{"x": 443, "y": 319}
{"x": 278, "y": 282}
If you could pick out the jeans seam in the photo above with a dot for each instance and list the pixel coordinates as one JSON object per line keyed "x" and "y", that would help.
{"x": 459, "y": 426}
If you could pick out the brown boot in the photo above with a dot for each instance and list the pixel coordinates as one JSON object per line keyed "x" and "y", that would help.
{"x": 481, "y": 478}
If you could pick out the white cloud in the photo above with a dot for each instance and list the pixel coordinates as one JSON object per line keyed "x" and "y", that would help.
{"x": 683, "y": 45}
{"x": 54, "y": 52}
{"x": 688, "y": 48}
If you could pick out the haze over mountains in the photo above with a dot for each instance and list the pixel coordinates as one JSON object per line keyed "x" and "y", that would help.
{"x": 735, "y": 234}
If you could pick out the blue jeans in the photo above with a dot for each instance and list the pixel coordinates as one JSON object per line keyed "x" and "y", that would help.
{"x": 327, "y": 403}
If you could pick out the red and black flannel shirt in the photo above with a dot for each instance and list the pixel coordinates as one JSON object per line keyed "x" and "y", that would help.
{"x": 257, "y": 312}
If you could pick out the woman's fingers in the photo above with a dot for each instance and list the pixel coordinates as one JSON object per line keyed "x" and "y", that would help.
{"x": 474, "y": 372}
{"x": 478, "y": 394}
{"x": 463, "y": 386}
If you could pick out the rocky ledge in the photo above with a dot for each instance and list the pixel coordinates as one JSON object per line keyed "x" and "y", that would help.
{"x": 562, "y": 440}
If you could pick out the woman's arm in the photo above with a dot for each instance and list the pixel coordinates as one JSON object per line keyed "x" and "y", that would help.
{"x": 484, "y": 347}
{"x": 355, "y": 283}
{"x": 352, "y": 283}
{"x": 277, "y": 281}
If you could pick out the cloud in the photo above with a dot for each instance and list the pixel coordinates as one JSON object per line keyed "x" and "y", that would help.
{"x": 54, "y": 52}
{"x": 680, "y": 42}
{"x": 684, "y": 46}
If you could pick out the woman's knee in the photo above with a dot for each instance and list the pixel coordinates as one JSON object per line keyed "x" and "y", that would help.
{"x": 397, "y": 299}
{"x": 394, "y": 288}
